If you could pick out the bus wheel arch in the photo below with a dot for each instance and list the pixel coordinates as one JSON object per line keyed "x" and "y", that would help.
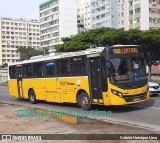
{"x": 32, "y": 96}
{"x": 82, "y": 97}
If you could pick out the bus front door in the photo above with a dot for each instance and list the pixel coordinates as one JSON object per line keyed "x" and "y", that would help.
{"x": 95, "y": 80}
{"x": 20, "y": 81}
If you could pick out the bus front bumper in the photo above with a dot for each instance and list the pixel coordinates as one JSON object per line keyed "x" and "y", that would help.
{"x": 132, "y": 99}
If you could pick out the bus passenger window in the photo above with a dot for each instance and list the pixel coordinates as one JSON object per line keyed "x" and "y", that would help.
{"x": 38, "y": 69}
{"x": 77, "y": 65}
{"x": 63, "y": 67}
{"x": 12, "y": 72}
{"x": 50, "y": 68}
{"x": 78, "y": 68}
{"x": 27, "y": 71}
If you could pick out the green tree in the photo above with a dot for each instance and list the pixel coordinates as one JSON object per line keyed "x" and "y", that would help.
{"x": 27, "y": 53}
{"x": 149, "y": 40}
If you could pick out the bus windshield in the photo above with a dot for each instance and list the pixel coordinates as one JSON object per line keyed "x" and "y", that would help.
{"x": 124, "y": 69}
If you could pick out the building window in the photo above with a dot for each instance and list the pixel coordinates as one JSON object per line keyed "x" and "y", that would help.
{"x": 103, "y": 15}
{"x": 130, "y": 3}
{"x": 131, "y": 22}
{"x": 138, "y": 10}
{"x": 137, "y": 20}
{"x": 131, "y": 12}
{"x": 103, "y": 7}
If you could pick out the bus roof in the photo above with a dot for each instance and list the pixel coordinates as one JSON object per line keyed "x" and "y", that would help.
{"x": 53, "y": 56}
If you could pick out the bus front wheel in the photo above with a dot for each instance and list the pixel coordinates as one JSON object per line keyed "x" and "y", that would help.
{"x": 84, "y": 101}
{"x": 32, "y": 97}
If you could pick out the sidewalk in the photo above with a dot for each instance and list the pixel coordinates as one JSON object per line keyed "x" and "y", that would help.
{"x": 12, "y": 123}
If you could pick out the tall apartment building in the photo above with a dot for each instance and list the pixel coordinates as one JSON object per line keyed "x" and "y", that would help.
{"x": 17, "y": 33}
{"x": 58, "y": 19}
{"x": 143, "y": 14}
{"x": 108, "y": 13}
{"x": 80, "y": 21}
{"x": 3, "y": 75}
{"x": 86, "y": 13}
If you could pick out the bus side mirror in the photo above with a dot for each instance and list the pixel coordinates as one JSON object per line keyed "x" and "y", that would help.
{"x": 147, "y": 74}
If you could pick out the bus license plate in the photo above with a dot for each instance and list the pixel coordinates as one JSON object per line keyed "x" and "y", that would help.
{"x": 136, "y": 99}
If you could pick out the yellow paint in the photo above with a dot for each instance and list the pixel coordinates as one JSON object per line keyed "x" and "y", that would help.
{"x": 65, "y": 90}
{"x": 100, "y": 101}
{"x": 95, "y": 100}
{"x": 51, "y": 89}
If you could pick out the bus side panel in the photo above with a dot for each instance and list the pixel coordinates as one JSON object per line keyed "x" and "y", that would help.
{"x": 52, "y": 94}
{"x": 38, "y": 85}
{"x": 74, "y": 84}
{"x": 27, "y": 84}
{"x": 39, "y": 88}
{"x": 62, "y": 90}
{"x": 106, "y": 99}
{"x": 13, "y": 90}
{"x": 106, "y": 95}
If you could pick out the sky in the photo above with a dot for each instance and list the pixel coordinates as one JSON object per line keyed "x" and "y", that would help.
{"x": 20, "y": 8}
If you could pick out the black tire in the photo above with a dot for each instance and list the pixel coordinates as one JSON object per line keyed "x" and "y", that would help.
{"x": 32, "y": 97}
{"x": 78, "y": 102}
{"x": 84, "y": 101}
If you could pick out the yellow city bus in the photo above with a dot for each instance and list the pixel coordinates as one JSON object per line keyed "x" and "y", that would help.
{"x": 114, "y": 75}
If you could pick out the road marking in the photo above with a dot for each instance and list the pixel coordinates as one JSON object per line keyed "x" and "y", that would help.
{"x": 155, "y": 108}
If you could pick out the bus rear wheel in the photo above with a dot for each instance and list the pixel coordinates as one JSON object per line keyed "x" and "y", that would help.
{"x": 32, "y": 97}
{"x": 84, "y": 101}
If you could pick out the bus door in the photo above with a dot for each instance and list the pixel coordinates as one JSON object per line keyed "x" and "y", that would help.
{"x": 20, "y": 80}
{"x": 95, "y": 80}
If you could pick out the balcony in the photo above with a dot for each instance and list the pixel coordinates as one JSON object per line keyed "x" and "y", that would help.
{"x": 154, "y": 15}
{"x": 131, "y": 26}
{"x": 154, "y": 25}
{"x": 154, "y": 5}
{"x": 137, "y": 6}
{"x": 137, "y": 25}
{"x": 130, "y": 17}
{"x": 137, "y": 15}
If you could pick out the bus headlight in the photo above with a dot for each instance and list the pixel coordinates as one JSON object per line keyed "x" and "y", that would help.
{"x": 117, "y": 93}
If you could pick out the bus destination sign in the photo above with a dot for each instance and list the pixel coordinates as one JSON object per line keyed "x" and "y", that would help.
{"x": 125, "y": 50}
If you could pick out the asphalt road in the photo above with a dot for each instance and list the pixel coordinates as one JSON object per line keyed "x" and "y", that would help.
{"x": 145, "y": 114}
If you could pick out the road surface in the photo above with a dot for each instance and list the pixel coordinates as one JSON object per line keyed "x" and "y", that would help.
{"x": 145, "y": 114}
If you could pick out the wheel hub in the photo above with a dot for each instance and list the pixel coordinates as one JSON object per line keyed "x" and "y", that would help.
{"x": 85, "y": 101}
